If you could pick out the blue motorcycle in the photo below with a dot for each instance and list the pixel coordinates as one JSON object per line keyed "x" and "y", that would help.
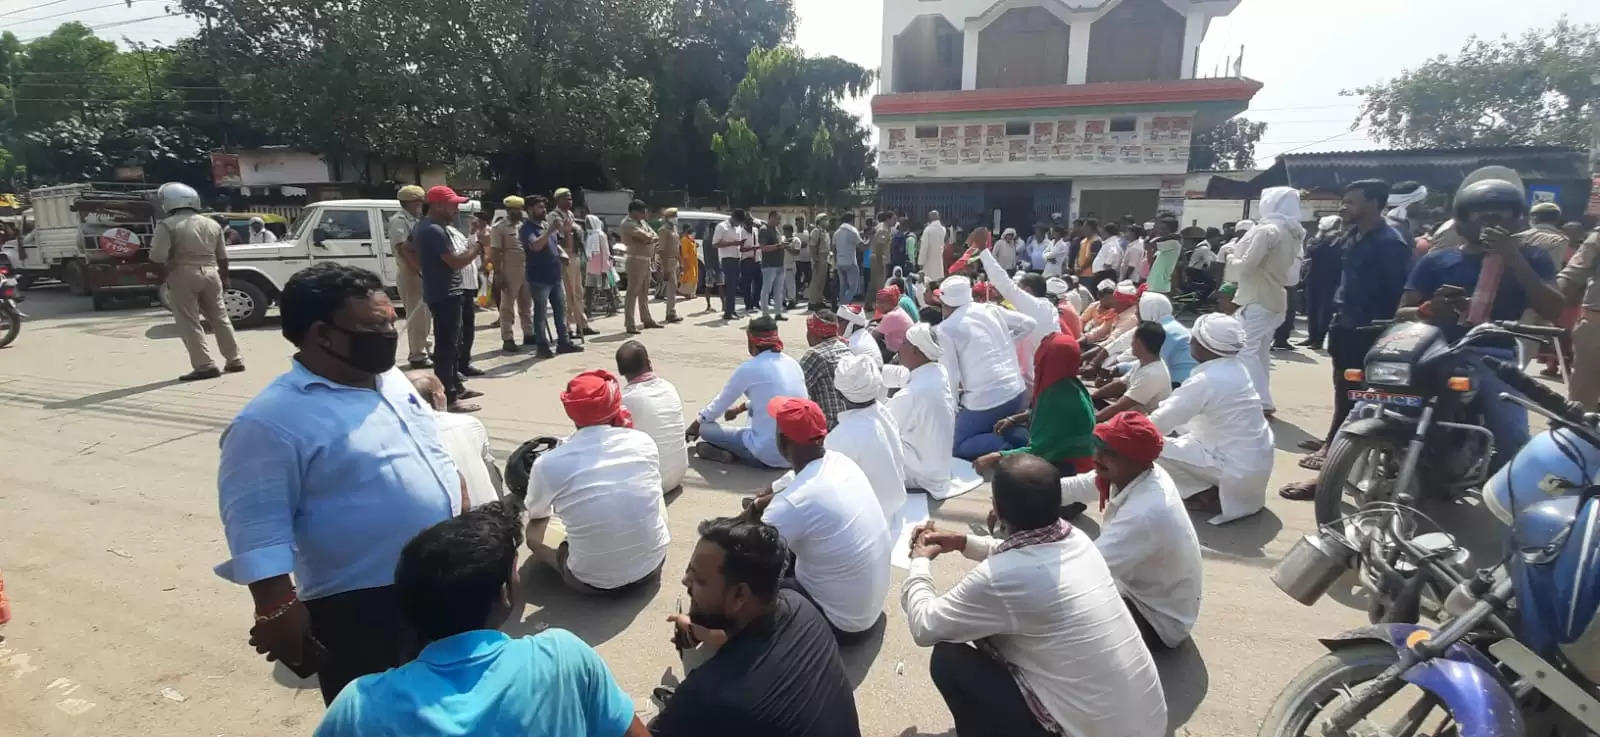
{"x": 1517, "y": 647}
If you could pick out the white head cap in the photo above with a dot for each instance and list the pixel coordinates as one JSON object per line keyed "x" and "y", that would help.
{"x": 858, "y": 378}
{"x": 922, "y": 336}
{"x": 955, "y": 291}
{"x": 1055, "y": 286}
{"x": 1219, "y": 333}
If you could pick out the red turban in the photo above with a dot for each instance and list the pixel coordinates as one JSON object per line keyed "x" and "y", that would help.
{"x": 595, "y": 398}
{"x": 799, "y": 419}
{"x": 768, "y": 340}
{"x": 820, "y": 327}
{"x": 886, "y": 296}
{"x": 1132, "y": 435}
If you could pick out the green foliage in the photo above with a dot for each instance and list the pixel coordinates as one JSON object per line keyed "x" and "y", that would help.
{"x": 804, "y": 144}
{"x": 1539, "y": 88}
{"x": 1228, "y": 147}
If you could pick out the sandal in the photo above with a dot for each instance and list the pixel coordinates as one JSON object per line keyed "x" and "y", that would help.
{"x": 463, "y": 408}
{"x": 1313, "y": 445}
{"x": 1299, "y": 491}
{"x": 1313, "y": 462}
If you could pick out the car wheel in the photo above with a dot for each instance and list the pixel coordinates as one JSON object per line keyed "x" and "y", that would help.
{"x": 246, "y": 303}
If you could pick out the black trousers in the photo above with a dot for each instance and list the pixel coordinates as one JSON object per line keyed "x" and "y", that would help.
{"x": 454, "y": 322}
{"x": 1286, "y": 328}
{"x": 1348, "y": 349}
{"x": 731, "y": 286}
{"x": 1319, "y": 306}
{"x": 750, "y": 283}
{"x": 363, "y": 632}
{"x": 802, "y": 277}
{"x": 981, "y": 694}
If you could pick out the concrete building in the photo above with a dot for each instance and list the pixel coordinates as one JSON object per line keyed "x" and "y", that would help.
{"x": 1006, "y": 112}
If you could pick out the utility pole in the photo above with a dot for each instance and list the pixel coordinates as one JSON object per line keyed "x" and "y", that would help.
{"x": 22, "y": 146}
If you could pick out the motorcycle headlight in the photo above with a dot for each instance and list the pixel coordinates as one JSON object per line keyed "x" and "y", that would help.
{"x": 1389, "y": 372}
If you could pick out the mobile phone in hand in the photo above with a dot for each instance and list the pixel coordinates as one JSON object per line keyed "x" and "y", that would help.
{"x": 313, "y": 655}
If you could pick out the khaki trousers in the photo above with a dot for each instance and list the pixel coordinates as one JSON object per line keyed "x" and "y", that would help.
{"x": 418, "y": 321}
{"x": 516, "y": 299}
{"x": 669, "y": 275}
{"x": 638, "y": 292}
{"x": 195, "y": 292}
{"x": 572, "y": 285}
{"x": 1585, "y": 387}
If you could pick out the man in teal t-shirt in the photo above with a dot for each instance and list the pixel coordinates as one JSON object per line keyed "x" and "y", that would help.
{"x": 1168, "y": 246}
{"x": 455, "y": 582}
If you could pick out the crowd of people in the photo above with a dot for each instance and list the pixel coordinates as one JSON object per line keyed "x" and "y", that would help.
{"x": 380, "y": 544}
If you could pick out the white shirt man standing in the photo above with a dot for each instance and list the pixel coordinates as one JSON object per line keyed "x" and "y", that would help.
{"x": 1262, "y": 266}
{"x": 980, "y": 356}
{"x": 925, "y": 413}
{"x": 597, "y": 516}
{"x": 867, "y": 432}
{"x": 657, "y": 411}
{"x": 930, "y": 251}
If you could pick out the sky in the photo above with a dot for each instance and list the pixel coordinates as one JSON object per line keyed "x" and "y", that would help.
{"x": 1303, "y": 52}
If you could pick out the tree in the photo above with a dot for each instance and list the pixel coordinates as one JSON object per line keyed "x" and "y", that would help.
{"x": 1227, "y": 147}
{"x": 1539, "y": 88}
{"x": 790, "y": 104}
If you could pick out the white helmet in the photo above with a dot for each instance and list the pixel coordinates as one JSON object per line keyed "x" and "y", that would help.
{"x": 175, "y": 196}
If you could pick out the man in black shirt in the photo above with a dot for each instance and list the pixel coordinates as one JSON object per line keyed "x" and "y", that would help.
{"x": 771, "y": 301}
{"x": 442, "y": 252}
{"x": 776, "y": 671}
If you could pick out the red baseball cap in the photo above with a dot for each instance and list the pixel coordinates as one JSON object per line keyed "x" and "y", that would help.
{"x": 444, "y": 195}
{"x": 798, "y": 419}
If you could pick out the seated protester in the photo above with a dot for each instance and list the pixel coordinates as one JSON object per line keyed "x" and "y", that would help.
{"x": 1028, "y": 297}
{"x": 776, "y": 670}
{"x": 924, "y": 412}
{"x": 840, "y": 540}
{"x": 821, "y": 360}
{"x": 1146, "y": 385}
{"x": 1145, "y": 533}
{"x": 855, "y": 333}
{"x": 657, "y": 411}
{"x": 1053, "y": 651}
{"x": 456, "y": 582}
{"x": 980, "y": 357}
{"x": 868, "y": 434}
{"x": 1112, "y": 314}
{"x": 907, "y": 300}
{"x": 1067, "y": 318}
{"x": 603, "y": 485}
{"x": 1504, "y": 276}
{"x": 768, "y": 373}
{"x": 466, "y": 440}
{"x": 1225, "y": 303}
{"x": 892, "y": 320}
{"x": 1062, "y": 419}
{"x": 1222, "y": 462}
{"x": 1174, "y": 351}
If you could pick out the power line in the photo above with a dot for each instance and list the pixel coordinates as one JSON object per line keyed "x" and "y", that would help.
{"x": 120, "y": 23}
{"x": 32, "y": 7}
{"x": 125, "y": 3}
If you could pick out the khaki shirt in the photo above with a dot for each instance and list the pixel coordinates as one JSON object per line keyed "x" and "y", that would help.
{"x": 505, "y": 244}
{"x": 552, "y": 224}
{"x": 1548, "y": 239}
{"x": 638, "y": 238}
{"x": 400, "y": 225}
{"x": 188, "y": 239}
{"x": 1581, "y": 275}
{"x": 667, "y": 245}
{"x": 882, "y": 238}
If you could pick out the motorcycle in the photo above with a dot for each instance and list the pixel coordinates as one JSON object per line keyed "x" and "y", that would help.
{"x": 10, "y": 317}
{"x": 1517, "y": 647}
{"x": 1415, "y": 418}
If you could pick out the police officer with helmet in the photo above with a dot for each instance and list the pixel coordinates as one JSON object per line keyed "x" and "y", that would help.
{"x": 192, "y": 251}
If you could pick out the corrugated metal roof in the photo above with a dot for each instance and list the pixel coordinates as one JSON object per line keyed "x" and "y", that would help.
{"x": 1435, "y": 167}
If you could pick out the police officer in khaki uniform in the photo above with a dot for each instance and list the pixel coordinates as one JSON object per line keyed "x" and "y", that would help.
{"x": 641, "y": 243}
{"x": 510, "y": 264}
{"x": 562, "y": 220}
{"x": 418, "y": 321}
{"x": 191, "y": 248}
{"x": 667, "y": 255}
{"x": 882, "y": 241}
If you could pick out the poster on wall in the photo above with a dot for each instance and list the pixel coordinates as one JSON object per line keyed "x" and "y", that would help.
{"x": 1132, "y": 154}
{"x": 950, "y": 155}
{"x": 927, "y": 161}
{"x": 1018, "y": 150}
{"x": 1043, "y": 133}
{"x": 897, "y": 138}
{"x": 948, "y": 135}
{"x": 1094, "y": 131}
{"x": 1108, "y": 153}
{"x": 971, "y": 154}
{"x": 1060, "y": 152}
{"x": 1083, "y": 152}
{"x": 1155, "y": 154}
{"x": 1160, "y": 130}
{"x": 1180, "y": 130}
{"x": 995, "y": 135}
{"x": 1177, "y": 154}
{"x": 1066, "y": 132}
{"x": 995, "y": 153}
{"x": 1172, "y": 188}
{"x": 1038, "y": 153}
{"x": 971, "y": 137}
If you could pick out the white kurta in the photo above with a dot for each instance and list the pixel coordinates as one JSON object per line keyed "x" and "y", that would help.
{"x": 1054, "y": 613}
{"x": 467, "y": 442}
{"x": 930, "y": 251}
{"x": 840, "y": 541}
{"x": 924, "y": 412}
{"x": 1151, "y": 547}
{"x": 871, "y": 437}
{"x": 1043, "y": 312}
{"x": 1228, "y": 444}
{"x": 980, "y": 355}
{"x": 658, "y": 412}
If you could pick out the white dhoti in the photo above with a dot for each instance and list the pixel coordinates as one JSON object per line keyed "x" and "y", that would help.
{"x": 1242, "y": 486}
{"x": 1259, "y": 324}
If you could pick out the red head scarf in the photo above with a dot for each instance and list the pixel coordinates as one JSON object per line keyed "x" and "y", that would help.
{"x": 1129, "y": 434}
{"x": 799, "y": 419}
{"x": 821, "y": 328}
{"x": 1057, "y": 359}
{"x": 886, "y": 296}
{"x": 767, "y": 340}
{"x": 595, "y": 398}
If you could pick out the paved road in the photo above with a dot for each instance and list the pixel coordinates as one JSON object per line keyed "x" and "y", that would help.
{"x": 109, "y": 530}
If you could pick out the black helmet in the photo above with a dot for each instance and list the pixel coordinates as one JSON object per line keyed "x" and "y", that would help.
{"x": 521, "y": 462}
{"x": 1490, "y": 194}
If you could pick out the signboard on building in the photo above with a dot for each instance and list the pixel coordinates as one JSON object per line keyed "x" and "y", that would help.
{"x": 1156, "y": 140}
{"x": 225, "y": 170}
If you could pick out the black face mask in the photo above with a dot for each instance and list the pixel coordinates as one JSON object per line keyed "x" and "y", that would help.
{"x": 370, "y": 353}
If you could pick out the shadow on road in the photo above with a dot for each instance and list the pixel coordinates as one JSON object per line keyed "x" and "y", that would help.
{"x": 731, "y": 477}
{"x": 859, "y": 656}
{"x": 594, "y": 619}
{"x": 1287, "y": 436}
{"x": 88, "y": 400}
{"x": 1243, "y": 538}
{"x": 1184, "y": 680}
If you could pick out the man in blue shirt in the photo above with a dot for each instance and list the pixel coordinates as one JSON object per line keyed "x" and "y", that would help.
{"x": 324, "y": 475}
{"x": 456, "y": 581}
{"x": 542, "y": 269}
{"x": 768, "y": 373}
{"x": 442, "y": 252}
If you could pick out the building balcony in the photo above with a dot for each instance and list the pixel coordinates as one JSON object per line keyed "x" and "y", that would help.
{"x": 1211, "y": 100}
